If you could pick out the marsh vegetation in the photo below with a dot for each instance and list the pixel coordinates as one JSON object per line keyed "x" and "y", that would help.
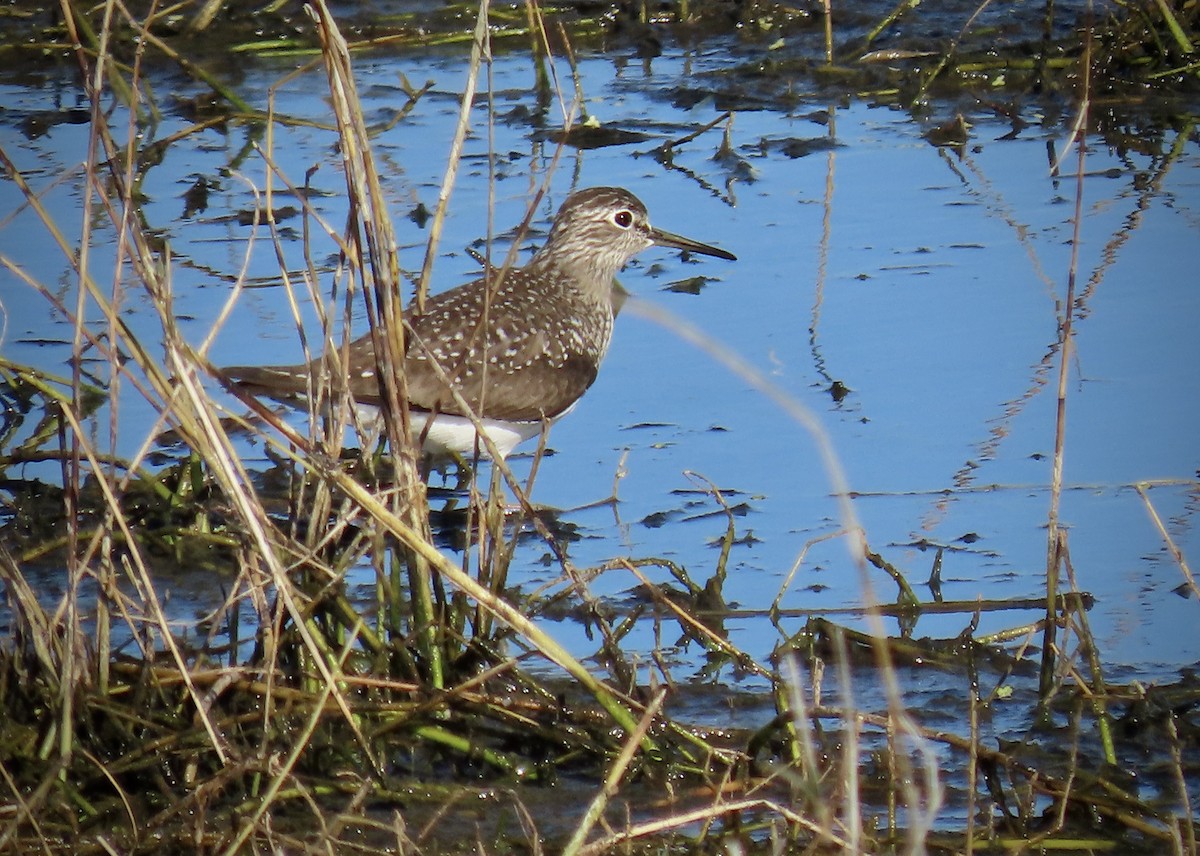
{"x": 371, "y": 667}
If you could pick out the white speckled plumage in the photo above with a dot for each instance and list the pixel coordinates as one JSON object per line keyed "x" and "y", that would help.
{"x": 520, "y": 347}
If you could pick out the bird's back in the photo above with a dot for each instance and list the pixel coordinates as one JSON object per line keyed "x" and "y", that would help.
{"x": 533, "y": 344}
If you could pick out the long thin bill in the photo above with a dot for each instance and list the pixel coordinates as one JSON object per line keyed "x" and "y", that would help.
{"x": 666, "y": 239}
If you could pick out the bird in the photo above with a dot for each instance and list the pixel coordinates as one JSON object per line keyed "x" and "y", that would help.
{"x": 520, "y": 346}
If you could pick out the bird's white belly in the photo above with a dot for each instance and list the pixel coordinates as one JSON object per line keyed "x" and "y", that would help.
{"x": 455, "y": 435}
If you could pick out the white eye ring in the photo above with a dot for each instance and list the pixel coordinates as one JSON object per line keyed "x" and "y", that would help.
{"x": 623, "y": 218}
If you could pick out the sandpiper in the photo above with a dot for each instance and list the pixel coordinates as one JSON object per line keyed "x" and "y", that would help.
{"x": 520, "y": 346}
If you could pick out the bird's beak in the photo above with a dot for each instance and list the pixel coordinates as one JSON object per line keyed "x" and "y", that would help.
{"x": 666, "y": 239}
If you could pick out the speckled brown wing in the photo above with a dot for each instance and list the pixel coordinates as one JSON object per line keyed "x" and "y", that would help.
{"x": 531, "y": 370}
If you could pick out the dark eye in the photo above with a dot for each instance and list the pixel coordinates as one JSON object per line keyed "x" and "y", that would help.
{"x": 623, "y": 218}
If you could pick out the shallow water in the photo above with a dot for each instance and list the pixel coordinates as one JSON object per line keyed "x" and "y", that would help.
{"x": 925, "y": 281}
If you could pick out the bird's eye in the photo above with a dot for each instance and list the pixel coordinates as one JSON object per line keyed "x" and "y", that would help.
{"x": 623, "y": 218}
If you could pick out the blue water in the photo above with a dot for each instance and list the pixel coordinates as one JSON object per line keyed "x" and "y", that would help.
{"x": 927, "y": 283}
